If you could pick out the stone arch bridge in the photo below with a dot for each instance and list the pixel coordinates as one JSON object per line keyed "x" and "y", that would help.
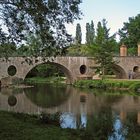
{"x": 73, "y": 67}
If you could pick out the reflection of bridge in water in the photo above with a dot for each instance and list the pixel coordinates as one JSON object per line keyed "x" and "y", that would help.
{"x": 73, "y": 67}
{"x": 77, "y": 103}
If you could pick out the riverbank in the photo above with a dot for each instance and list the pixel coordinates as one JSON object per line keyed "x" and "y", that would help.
{"x": 49, "y": 80}
{"x": 110, "y": 84}
{"x": 18, "y": 126}
{"x": 106, "y": 84}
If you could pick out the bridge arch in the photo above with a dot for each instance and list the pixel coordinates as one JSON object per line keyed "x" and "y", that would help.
{"x": 65, "y": 70}
{"x": 119, "y": 72}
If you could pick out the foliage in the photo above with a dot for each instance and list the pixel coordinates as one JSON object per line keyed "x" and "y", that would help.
{"x": 32, "y": 47}
{"x": 45, "y": 70}
{"x": 47, "y": 95}
{"x": 74, "y": 50}
{"x": 100, "y": 125}
{"x": 103, "y": 47}
{"x": 90, "y": 84}
{"x": 7, "y": 49}
{"x": 132, "y": 126}
{"x": 130, "y": 33}
{"x": 24, "y": 127}
{"x": 3, "y": 38}
{"x": 100, "y": 42}
{"x": 44, "y": 19}
{"x": 90, "y": 33}
{"x": 135, "y": 87}
{"x": 78, "y": 34}
{"x": 47, "y": 118}
{"x": 127, "y": 85}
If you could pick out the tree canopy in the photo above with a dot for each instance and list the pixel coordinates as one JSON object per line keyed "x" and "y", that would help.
{"x": 130, "y": 33}
{"x": 44, "y": 19}
{"x": 103, "y": 48}
{"x": 78, "y": 34}
{"x": 90, "y": 33}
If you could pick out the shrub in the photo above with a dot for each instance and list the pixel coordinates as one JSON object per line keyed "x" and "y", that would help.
{"x": 135, "y": 87}
{"x": 47, "y": 118}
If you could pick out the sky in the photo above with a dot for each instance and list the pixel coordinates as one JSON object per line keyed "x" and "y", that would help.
{"x": 116, "y": 12}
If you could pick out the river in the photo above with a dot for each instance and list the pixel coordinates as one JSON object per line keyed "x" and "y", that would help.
{"x": 110, "y": 112}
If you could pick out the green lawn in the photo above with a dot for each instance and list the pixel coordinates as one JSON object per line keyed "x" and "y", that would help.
{"x": 25, "y": 127}
{"x": 110, "y": 84}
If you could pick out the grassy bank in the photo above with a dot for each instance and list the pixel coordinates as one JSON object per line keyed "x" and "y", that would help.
{"x": 131, "y": 85}
{"x": 15, "y": 126}
{"x": 45, "y": 80}
{"x": 18, "y": 126}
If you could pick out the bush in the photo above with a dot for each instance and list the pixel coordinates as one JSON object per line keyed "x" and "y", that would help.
{"x": 47, "y": 118}
{"x": 109, "y": 84}
{"x": 135, "y": 87}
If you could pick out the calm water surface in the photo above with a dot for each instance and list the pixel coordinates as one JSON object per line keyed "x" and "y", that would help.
{"x": 112, "y": 113}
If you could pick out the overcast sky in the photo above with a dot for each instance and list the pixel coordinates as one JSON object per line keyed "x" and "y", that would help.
{"x": 114, "y": 11}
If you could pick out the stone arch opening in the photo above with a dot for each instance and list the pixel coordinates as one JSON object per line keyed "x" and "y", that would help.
{"x": 136, "y": 72}
{"x": 12, "y": 70}
{"x": 63, "y": 69}
{"x": 119, "y": 72}
{"x": 83, "y": 69}
{"x": 136, "y": 69}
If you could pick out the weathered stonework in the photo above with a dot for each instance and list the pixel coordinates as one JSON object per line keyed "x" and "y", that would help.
{"x": 70, "y": 66}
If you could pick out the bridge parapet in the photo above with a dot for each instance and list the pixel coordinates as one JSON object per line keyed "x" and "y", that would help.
{"x": 72, "y": 67}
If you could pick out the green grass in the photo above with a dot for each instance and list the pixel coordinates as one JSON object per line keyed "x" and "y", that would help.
{"x": 108, "y": 84}
{"x": 16, "y": 126}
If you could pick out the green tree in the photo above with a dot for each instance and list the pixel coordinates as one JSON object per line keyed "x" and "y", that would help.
{"x": 99, "y": 125}
{"x": 43, "y": 18}
{"x": 31, "y": 48}
{"x": 7, "y": 49}
{"x": 103, "y": 48}
{"x": 45, "y": 70}
{"x": 90, "y": 33}
{"x": 3, "y": 38}
{"x": 78, "y": 34}
{"x": 73, "y": 50}
{"x": 87, "y": 33}
{"x": 130, "y": 33}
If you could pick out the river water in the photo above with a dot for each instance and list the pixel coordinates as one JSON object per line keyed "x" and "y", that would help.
{"x": 113, "y": 113}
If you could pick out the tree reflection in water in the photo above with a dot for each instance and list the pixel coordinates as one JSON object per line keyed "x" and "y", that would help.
{"x": 76, "y": 121}
{"x": 100, "y": 124}
{"x": 99, "y": 115}
{"x": 47, "y": 96}
{"x": 133, "y": 126}
{"x": 119, "y": 132}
